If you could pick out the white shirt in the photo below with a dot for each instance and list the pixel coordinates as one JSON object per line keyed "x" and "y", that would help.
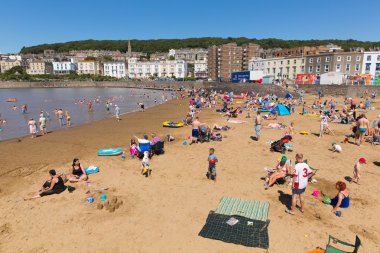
{"x": 301, "y": 175}
{"x": 337, "y": 148}
{"x": 323, "y": 120}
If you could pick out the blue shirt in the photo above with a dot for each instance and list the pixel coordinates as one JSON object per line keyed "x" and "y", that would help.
{"x": 212, "y": 157}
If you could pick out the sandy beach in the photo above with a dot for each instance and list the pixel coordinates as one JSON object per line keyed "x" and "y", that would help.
{"x": 165, "y": 212}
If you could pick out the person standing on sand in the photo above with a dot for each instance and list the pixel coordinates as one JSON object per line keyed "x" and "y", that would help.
{"x": 195, "y": 130}
{"x": 363, "y": 126}
{"x": 43, "y": 124}
{"x": 324, "y": 124}
{"x": 357, "y": 170}
{"x": 258, "y": 125}
{"x": 32, "y": 127}
{"x": 301, "y": 175}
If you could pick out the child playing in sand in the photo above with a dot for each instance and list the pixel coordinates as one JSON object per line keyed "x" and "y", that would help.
{"x": 336, "y": 147}
{"x": 146, "y": 170}
{"x": 212, "y": 160}
{"x": 133, "y": 149}
{"x": 290, "y": 130}
{"x": 357, "y": 170}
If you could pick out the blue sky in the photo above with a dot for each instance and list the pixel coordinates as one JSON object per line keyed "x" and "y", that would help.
{"x": 32, "y": 22}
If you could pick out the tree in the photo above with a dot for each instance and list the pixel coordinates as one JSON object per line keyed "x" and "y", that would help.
{"x": 171, "y": 58}
{"x": 92, "y": 58}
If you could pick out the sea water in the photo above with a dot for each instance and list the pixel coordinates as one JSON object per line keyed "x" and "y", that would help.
{"x": 74, "y": 100}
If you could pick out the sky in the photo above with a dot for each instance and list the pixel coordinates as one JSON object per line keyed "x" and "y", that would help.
{"x": 34, "y": 22}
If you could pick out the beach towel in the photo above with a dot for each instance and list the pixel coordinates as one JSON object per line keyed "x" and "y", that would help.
{"x": 252, "y": 209}
{"x": 236, "y": 229}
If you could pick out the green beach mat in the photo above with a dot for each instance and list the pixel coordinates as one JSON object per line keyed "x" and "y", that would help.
{"x": 251, "y": 209}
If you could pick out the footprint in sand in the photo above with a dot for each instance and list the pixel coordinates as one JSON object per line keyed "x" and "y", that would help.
{"x": 362, "y": 232}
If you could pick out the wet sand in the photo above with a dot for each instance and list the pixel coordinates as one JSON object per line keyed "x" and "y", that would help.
{"x": 165, "y": 212}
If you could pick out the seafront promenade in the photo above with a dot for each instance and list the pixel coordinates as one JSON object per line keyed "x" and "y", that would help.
{"x": 334, "y": 90}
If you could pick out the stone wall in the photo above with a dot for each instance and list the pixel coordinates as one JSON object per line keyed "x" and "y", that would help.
{"x": 340, "y": 90}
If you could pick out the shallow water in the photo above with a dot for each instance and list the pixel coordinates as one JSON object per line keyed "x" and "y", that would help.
{"x": 68, "y": 99}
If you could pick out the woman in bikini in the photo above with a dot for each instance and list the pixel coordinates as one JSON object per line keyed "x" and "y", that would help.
{"x": 282, "y": 169}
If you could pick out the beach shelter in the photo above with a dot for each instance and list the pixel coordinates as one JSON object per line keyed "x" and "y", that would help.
{"x": 281, "y": 110}
{"x": 289, "y": 96}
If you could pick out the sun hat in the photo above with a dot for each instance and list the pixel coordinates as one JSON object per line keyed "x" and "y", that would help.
{"x": 362, "y": 160}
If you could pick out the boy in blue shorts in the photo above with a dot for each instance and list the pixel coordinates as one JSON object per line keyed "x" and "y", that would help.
{"x": 212, "y": 160}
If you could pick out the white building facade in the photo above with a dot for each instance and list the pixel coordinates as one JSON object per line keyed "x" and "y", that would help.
{"x": 282, "y": 68}
{"x": 371, "y": 63}
{"x": 156, "y": 69}
{"x": 115, "y": 69}
{"x": 200, "y": 69}
{"x": 64, "y": 68}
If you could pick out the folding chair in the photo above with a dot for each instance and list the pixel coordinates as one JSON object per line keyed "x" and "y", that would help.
{"x": 332, "y": 249}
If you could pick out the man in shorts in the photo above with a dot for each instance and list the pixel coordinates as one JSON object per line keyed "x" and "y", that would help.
{"x": 301, "y": 175}
{"x": 195, "y": 130}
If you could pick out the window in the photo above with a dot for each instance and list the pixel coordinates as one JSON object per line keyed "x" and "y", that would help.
{"x": 327, "y": 58}
{"x": 319, "y": 59}
{"x": 327, "y": 68}
{"x": 318, "y": 68}
{"x": 302, "y": 69}
{"x": 357, "y": 67}
{"x": 288, "y": 61}
{"x": 358, "y": 58}
{"x": 348, "y": 67}
{"x": 295, "y": 61}
{"x": 338, "y": 67}
{"x": 310, "y": 67}
{"x": 368, "y": 58}
{"x": 348, "y": 58}
{"x": 377, "y": 66}
{"x": 311, "y": 61}
{"x": 378, "y": 58}
{"x": 281, "y": 62}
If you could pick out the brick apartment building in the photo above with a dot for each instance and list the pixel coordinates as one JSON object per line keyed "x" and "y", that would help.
{"x": 228, "y": 58}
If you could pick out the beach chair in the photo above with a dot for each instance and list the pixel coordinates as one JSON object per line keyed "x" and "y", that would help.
{"x": 158, "y": 148}
{"x": 142, "y": 148}
{"x": 334, "y": 241}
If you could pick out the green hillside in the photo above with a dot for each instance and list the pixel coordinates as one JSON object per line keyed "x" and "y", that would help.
{"x": 163, "y": 45}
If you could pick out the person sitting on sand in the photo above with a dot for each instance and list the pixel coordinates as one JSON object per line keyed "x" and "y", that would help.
{"x": 133, "y": 148}
{"x": 376, "y": 134}
{"x": 155, "y": 139}
{"x": 342, "y": 199}
{"x": 272, "y": 116}
{"x": 77, "y": 172}
{"x": 357, "y": 170}
{"x": 282, "y": 169}
{"x": 290, "y": 130}
{"x": 54, "y": 185}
